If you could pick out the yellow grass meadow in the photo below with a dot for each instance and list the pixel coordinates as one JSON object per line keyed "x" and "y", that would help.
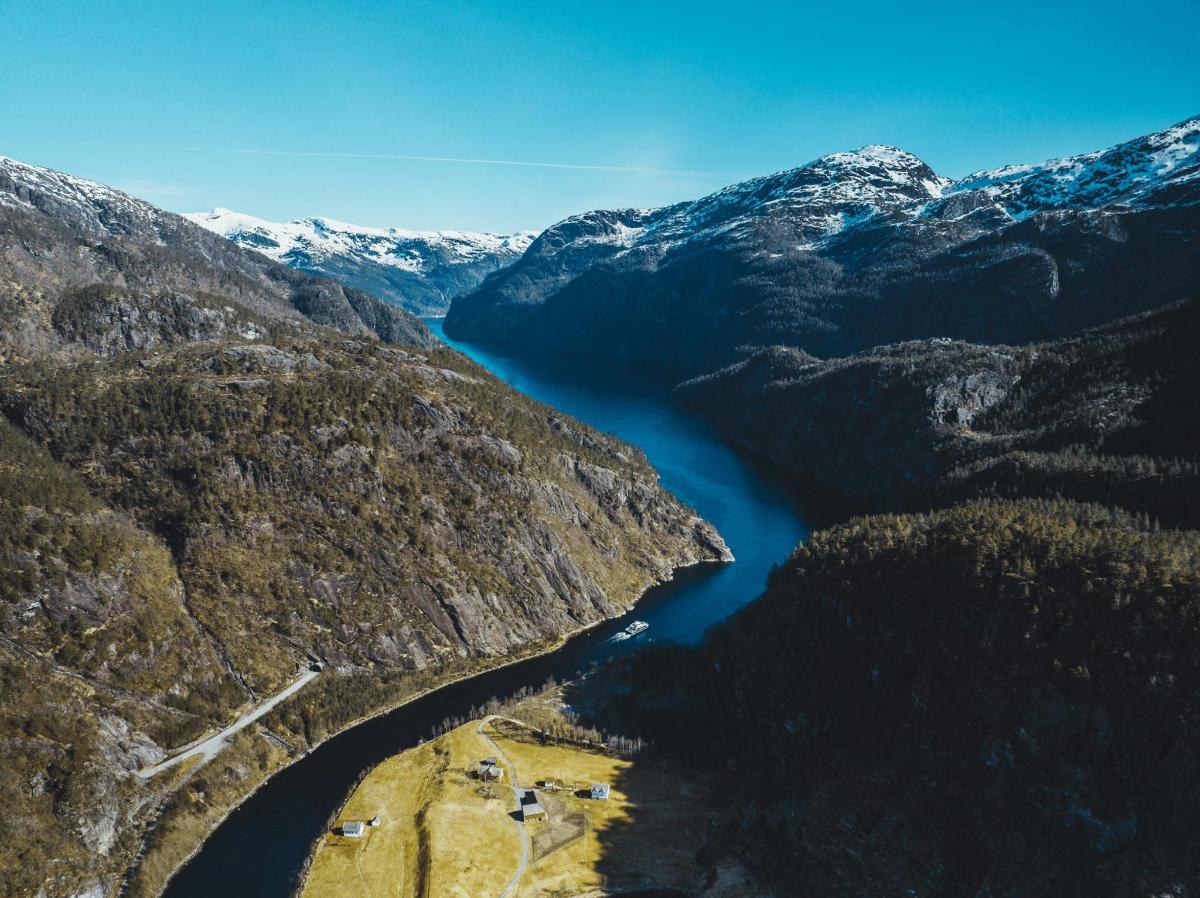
{"x": 443, "y": 832}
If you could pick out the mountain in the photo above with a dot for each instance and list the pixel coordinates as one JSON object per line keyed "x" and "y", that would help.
{"x": 1108, "y": 415}
{"x": 993, "y": 699}
{"x": 419, "y": 271}
{"x": 858, "y": 249}
{"x": 86, "y": 267}
{"x": 214, "y": 470}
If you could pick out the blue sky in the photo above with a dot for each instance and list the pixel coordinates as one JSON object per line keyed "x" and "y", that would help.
{"x": 667, "y": 100}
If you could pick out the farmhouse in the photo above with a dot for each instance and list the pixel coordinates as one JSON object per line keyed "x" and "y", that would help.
{"x": 599, "y": 792}
{"x": 531, "y": 806}
{"x": 354, "y": 829}
{"x": 490, "y": 770}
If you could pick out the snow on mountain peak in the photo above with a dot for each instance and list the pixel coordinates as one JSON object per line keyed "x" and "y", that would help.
{"x": 93, "y": 204}
{"x": 419, "y": 270}
{"x": 317, "y": 239}
{"x": 1143, "y": 171}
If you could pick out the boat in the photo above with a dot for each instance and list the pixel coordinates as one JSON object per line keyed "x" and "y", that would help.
{"x": 637, "y": 627}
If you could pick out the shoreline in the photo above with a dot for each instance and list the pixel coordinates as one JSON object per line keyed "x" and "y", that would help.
{"x": 558, "y": 643}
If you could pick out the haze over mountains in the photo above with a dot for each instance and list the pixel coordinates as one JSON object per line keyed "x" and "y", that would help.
{"x": 857, "y": 249}
{"x": 419, "y": 271}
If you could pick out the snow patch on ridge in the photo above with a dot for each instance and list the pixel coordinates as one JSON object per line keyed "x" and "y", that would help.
{"x": 320, "y": 239}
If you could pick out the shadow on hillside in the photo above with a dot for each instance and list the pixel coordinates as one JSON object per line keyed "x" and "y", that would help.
{"x": 652, "y": 830}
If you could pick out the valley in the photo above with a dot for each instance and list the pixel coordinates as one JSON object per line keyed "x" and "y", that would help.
{"x": 263, "y": 845}
{"x": 441, "y": 829}
{"x": 264, "y": 531}
{"x": 215, "y": 471}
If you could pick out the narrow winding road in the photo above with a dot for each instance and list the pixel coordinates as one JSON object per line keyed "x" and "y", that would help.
{"x": 514, "y": 784}
{"x": 214, "y": 745}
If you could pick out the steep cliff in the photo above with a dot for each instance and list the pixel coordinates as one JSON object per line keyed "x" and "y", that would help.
{"x": 215, "y": 470}
{"x": 189, "y": 528}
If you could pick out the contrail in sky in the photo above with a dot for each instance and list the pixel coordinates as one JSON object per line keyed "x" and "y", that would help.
{"x": 628, "y": 169}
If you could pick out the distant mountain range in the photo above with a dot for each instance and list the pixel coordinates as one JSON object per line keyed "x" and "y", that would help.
{"x": 858, "y": 249}
{"x": 420, "y": 271}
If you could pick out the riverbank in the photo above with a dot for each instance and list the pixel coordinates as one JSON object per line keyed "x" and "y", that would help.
{"x": 178, "y": 826}
{"x": 261, "y": 846}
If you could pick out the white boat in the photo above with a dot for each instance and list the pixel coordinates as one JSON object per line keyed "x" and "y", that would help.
{"x": 637, "y": 627}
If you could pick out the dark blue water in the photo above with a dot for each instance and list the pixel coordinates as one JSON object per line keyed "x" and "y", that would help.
{"x": 259, "y": 850}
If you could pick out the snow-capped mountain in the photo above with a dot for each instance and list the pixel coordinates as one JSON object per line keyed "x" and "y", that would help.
{"x": 858, "y": 248}
{"x": 420, "y": 271}
{"x": 85, "y": 266}
{"x": 819, "y": 199}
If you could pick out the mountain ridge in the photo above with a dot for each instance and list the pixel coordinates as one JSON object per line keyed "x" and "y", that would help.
{"x": 1105, "y": 415}
{"x": 86, "y": 267}
{"x": 858, "y": 249}
{"x": 420, "y": 271}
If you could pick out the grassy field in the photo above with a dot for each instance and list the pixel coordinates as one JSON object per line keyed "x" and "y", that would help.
{"x": 440, "y": 833}
{"x": 645, "y": 835}
{"x": 443, "y": 833}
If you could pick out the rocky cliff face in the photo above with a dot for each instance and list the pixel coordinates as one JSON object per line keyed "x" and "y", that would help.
{"x": 878, "y": 426}
{"x": 1105, "y": 416}
{"x": 859, "y": 249}
{"x": 208, "y": 519}
{"x": 419, "y": 271}
{"x": 86, "y": 266}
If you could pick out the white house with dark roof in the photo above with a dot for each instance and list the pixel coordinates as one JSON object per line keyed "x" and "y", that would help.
{"x": 599, "y": 791}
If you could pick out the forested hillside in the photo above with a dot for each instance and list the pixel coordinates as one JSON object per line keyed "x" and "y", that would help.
{"x": 1110, "y": 415}
{"x": 994, "y": 699}
{"x": 186, "y": 530}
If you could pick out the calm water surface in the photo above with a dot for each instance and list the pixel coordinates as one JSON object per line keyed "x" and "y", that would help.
{"x": 259, "y": 850}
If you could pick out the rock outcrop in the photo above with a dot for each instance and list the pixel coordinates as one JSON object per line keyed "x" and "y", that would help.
{"x": 214, "y": 471}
